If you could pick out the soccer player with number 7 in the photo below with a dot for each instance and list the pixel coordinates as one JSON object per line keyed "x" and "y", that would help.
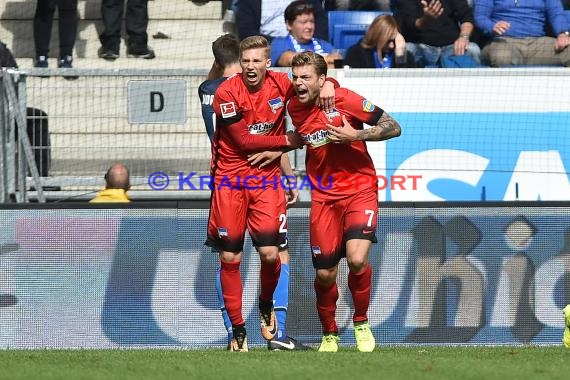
{"x": 342, "y": 220}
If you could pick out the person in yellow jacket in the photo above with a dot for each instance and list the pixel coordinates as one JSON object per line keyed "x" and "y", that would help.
{"x": 116, "y": 186}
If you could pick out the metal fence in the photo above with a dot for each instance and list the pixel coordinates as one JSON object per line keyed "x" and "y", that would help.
{"x": 72, "y": 125}
{"x": 463, "y": 148}
{"x": 17, "y": 157}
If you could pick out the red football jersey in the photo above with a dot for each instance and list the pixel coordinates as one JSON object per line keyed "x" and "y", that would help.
{"x": 336, "y": 170}
{"x": 244, "y": 121}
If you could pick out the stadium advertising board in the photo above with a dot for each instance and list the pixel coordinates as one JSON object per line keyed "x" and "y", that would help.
{"x": 482, "y": 134}
{"x": 142, "y": 278}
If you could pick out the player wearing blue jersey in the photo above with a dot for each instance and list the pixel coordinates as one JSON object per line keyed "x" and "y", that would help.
{"x": 226, "y": 64}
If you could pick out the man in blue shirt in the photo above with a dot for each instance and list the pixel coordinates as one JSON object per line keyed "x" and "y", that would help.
{"x": 518, "y": 30}
{"x": 300, "y": 21}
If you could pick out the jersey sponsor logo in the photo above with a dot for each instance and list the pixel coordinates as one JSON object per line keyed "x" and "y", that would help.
{"x": 275, "y": 104}
{"x": 318, "y": 138}
{"x": 368, "y": 106}
{"x": 228, "y": 109}
{"x": 331, "y": 115}
{"x": 260, "y": 128}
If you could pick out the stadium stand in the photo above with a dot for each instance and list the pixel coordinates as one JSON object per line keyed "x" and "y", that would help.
{"x": 183, "y": 33}
{"x": 347, "y": 27}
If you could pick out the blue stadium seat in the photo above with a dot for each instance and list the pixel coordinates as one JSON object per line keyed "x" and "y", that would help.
{"x": 347, "y": 27}
{"x": 566, "y": 12}
{"x": 347, "y": 35}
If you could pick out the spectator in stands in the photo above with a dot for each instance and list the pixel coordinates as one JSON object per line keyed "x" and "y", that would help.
{"x": 116, "y": 186}
{"x": 43, "y": 20}
{"x": 300, "y": 21}
{"x": 265, "y": 17}
{"x": 136, "y": 20}
{"x": 357, "y": 5}
{"x": 519, "y": 32}
{"x": 438, "y": 32}
{"x": 6, "y": 57}
{"x": 381, "y": 47}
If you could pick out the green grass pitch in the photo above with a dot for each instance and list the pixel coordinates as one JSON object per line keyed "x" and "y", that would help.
{"x": 423, "y": 362}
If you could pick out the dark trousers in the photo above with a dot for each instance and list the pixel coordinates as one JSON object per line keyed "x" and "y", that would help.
{"x": 136, "y": 20}
{"x": 43, "y": 20}
{"x": 38, "y": 134}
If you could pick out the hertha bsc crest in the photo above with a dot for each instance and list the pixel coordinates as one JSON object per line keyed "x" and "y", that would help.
{"x": 275, "y": 104}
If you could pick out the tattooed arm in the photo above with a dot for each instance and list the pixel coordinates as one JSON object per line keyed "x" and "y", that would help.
{"x": 385, "y": 129}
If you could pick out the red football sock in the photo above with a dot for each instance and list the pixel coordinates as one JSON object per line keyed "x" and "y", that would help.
{"x": 269, "y": 276}
{"x": 359, "y": 285}
{"x": 326, "y": 306}
{"x": 230, "y": 278}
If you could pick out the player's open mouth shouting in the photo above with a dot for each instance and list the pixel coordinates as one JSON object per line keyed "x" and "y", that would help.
{"x": 302, "y": 93}
{"x": 251, "y": 76}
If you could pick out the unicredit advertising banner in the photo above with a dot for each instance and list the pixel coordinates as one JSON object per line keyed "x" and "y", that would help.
{"x": 141, "y": 277}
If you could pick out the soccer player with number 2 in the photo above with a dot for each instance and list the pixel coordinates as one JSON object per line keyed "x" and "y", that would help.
{"x": 250, "y": 110}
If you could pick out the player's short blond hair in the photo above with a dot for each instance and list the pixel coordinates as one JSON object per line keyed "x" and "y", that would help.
{"x": 255, "y": 42}
{"x": 309, "y": 58}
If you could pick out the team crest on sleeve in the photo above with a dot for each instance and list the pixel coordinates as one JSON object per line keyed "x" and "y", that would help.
{"x": 222, "y": 231}
{"x": 275, "y": 104}
{"x": 368, "y": 106}
{"x": 228, "y": 109}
